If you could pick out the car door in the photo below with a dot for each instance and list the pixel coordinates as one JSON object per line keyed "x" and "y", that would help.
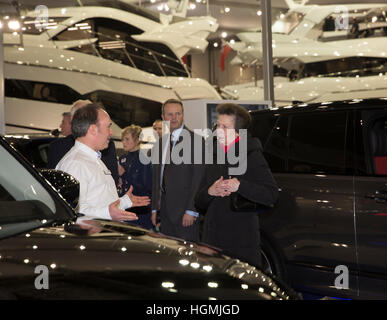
{"x": 371, "y": 201}
{"x": 320, "y": 182}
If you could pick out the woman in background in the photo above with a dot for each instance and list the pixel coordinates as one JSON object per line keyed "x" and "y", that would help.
{"x": 133, "y": 173}
{"x": 235, "y": 231}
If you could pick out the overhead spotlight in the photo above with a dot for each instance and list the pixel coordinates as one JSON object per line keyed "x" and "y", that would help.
{"x": 224, "y": 34}
{"x": 14, "y": 25}
{"x": 192, "y": 6}
{"x": 232, "y": 41}
{"x": 282, "y": 16}
{"x": 227, "y": 9}
{"x": 216, "y": 44}
{"x": 259, "y": 12}
{"x": 153, "y": 1}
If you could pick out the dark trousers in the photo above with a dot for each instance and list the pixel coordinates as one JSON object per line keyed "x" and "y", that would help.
{"x": 176, "y": 229}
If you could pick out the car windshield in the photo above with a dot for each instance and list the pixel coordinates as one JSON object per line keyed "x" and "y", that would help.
{"x": 24, "y": 202}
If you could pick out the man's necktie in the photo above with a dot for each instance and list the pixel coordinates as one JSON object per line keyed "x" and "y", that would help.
{"x": 166, "y": 163}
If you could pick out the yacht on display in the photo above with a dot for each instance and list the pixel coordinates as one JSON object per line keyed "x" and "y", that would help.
{"x": 125, "y": 57}
{"x": 317, "y": 56}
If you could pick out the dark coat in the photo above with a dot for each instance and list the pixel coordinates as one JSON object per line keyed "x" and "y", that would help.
{"x": 237, "y": 233}
{"x": 182, "y": 182}
{"x": 61, "y": 146}
{"x": 138, "y": 175}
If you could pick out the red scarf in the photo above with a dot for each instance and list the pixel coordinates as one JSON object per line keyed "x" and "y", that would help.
{"x": 226, "y": 148}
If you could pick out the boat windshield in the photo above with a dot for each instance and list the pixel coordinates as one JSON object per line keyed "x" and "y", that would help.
{"x": 287, "y": 24}
{"x": 345, "y": 67}
{"x": 112, "y": 39}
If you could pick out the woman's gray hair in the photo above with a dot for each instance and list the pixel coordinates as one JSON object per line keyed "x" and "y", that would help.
{"x": 83, "y": 118}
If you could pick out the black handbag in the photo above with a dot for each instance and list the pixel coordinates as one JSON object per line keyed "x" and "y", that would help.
{"x": 241, "y": 204}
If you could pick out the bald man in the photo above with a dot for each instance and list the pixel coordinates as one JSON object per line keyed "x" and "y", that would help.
{"x": 61, "y": 146}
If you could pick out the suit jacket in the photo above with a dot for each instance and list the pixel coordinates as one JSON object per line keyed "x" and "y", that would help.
{"x": 182, "y": 181}
{"x": 61, "y": 146}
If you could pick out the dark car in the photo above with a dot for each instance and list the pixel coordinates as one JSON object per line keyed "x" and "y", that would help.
{"x": 33, "y": 146}
{"x": 330, "y": 162}
{"x": 45, "y": 255}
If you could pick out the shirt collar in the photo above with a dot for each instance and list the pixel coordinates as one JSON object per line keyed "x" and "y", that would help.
{"x": 176, "y": 133}
{"x": 86, "y": 149}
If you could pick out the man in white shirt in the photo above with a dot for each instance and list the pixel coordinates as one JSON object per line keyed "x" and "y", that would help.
{"x": 98, "y": 198}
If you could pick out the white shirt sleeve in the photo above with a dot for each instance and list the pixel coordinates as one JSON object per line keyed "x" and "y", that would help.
{"x": 125, "y": 202}
{"x": 86, "y": 205}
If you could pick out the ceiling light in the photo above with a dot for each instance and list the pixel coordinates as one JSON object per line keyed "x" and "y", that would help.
{"x": 216, "y": 44}
{"x": 167, "y": 284}
{"x": 227, "y": 9}
{"x": 224, "y": 34}
{"x": 259, "y": 12}
{"x": 14, "y": 25}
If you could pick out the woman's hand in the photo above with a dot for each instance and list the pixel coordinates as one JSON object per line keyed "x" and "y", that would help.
{"x": 218, "y": 189}
{"x": 231, "y": 185}
{"x": 121, "y": 170}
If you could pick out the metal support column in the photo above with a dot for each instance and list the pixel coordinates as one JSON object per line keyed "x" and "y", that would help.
{"x": 2, "y": 105}
{"x": 267, "y": 52}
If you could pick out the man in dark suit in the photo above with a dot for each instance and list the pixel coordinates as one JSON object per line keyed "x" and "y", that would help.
{"x": 61, "y": 146}
{"x": 174, "y": 185}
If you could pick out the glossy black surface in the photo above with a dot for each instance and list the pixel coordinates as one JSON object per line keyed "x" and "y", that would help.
{"x": 121, "y": 261}
{"x": 108, "y": 260}
{"x": 64, "y": 183}
{"x": 325, "y": 217}
{"x": 32, "y": 147}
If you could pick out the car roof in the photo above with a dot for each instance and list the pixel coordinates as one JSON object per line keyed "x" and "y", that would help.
{"x": 330, "y": 105}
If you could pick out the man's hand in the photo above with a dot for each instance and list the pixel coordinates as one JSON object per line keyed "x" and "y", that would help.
{"x": 137, "y": 201}
{"x": 118, "y": 214}
{"x": 188, "y": 220}
{"x": 154, "y": 219}
{"x": 218, "y": 189}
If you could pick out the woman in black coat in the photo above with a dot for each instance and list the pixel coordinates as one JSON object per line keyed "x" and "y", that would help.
{"x": 237, "y": 233}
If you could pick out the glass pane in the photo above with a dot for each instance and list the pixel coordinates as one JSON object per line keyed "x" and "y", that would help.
{"x": 275, "y": 148}
{"x": 288, "y": 23}
{"x": 42, "y": 91}
{"x": 317, "y": 143}
{"x": 125, "y": 110}
{"x": 20, "y": 184}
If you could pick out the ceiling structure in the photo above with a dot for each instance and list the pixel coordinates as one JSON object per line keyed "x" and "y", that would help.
{"x": 233, "y": 15}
